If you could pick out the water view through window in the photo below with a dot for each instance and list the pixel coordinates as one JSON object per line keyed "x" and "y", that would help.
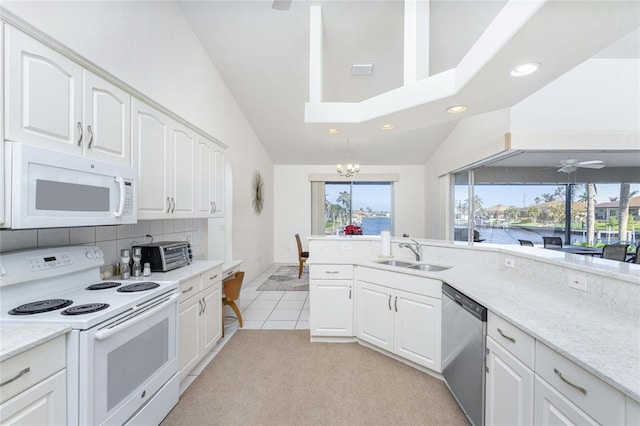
{"x": 364, "y": 204}
{"x": 504, "y": 214}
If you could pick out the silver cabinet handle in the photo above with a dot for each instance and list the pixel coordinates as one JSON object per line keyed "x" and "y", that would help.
{"x": 200, "y": 310}
{"x": 389, "y": 302}
{"x": 395, "y": 303}
{"x": 188, "y": 290}
{"x": 331, "y": 272}
{"x": 168, "y": 205}
{"x": 215, "y": 207}
{"x": 213, "y": 277}
{"x": 173, "y": 202}
{"x": 230, "y": 272}
{"x": 211, "y": 209}
{"x": 349, "y": 293}
{"x": 79, "y": 126}
{"x": 509, "y": 338}
{"x": 90, "y": 130}
{"x": 573, "y": 385}
{"x": 204, "y": 305}
{"x": 17, "y": 376}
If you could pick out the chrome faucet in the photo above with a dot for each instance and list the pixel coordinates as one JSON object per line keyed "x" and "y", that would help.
{"x": 417, "y": 250}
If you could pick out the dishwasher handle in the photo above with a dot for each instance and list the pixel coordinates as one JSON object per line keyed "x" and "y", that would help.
{"x": 468, "y": 304}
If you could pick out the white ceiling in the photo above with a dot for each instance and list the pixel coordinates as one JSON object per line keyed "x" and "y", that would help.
{"x": 263, "y": 56}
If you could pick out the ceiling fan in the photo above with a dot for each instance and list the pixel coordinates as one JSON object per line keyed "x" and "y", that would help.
{"x": 571, "y": 165}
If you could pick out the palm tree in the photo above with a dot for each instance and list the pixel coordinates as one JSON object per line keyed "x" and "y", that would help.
{"x": 533, "y": 211}
{"x": 559, "y": 193}
{"x": 547, "y": 197}
{"x": 537, "y": 200}
{"x": 623, "y": 209}
{"x": 511, "y": 213}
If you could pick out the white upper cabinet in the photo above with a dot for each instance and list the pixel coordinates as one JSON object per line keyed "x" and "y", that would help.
{"x": 107, "y": 121}
{"x": 43, "y": 103}
{"x": 151, "y": 136}
{"x": 183, "y": 160}
{"x": 53, "y": 102}
{"x": 210, "y": 178}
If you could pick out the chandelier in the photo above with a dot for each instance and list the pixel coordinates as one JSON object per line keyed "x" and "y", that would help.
{"x": 350, "y": 169}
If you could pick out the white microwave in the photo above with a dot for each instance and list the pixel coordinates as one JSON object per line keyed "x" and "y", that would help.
{"x": 50, "y": 189}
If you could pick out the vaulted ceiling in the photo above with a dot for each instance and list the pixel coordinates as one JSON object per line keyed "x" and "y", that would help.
{"x": 263, "y": 55}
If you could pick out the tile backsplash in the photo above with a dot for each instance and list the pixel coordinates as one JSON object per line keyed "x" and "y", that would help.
{"x": 110, "y": 239}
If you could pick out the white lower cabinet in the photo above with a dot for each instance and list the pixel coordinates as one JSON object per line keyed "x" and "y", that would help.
{"x": 331, "y": 300}
{"x": 404, "y": 323}
{"x": 200, "y": 320}
{"x": 34, "y": 386}
{"x": 509, "y": 388}
{"x": 551, "y": 408}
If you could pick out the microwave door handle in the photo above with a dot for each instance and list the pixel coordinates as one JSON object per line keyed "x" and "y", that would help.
{"x": 120, "y": 210}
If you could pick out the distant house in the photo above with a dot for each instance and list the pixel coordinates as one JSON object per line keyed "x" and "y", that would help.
{"x": 497, "y": 211}
{"x": 605, "y": 211}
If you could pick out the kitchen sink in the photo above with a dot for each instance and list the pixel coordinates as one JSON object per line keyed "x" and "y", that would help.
{"x": 426, "y": 267}
{"x": 395, "y": 263}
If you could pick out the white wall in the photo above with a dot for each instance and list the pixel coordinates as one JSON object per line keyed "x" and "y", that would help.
{"x": 292, "y": 201}
{"x": 150, "y": 46}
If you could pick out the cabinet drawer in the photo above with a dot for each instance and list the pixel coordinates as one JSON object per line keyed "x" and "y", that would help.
{"x": 331, "y": 272}
{"x": 211, "y": 277}
{"x": 596, "y": 398}
{"x": 189, "y": 288}
{"x": 511, "y": 338}
{"x": 31, "y": 367}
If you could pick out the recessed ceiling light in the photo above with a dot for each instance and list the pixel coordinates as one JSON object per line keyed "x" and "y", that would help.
{"x": 525, "y": 69}
{"x": 455, "y": 109}
{"x": 386, "y": 126}
{"x": 333, "y": 131}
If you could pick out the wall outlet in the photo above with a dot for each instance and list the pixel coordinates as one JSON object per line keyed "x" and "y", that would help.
{"x": 346, "y": 246}
{"x": 188, "y": 238}
{"x": 509, "y": 262}
{"x": 579, "y": 283}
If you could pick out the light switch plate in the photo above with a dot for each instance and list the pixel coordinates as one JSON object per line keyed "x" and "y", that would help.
{"x": 509, "y": 262}
{"x": 577, "y": 282}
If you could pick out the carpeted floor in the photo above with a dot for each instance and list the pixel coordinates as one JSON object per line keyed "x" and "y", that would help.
{"x": 277, "y": 377}
{"x": 285, "y": 278}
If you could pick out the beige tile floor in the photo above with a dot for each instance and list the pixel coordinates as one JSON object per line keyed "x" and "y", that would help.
{"x": 284, "y": 310}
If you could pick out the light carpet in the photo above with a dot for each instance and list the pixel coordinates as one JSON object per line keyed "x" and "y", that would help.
{"x": 285, "y": 278}
{"x": 278, "y": 377}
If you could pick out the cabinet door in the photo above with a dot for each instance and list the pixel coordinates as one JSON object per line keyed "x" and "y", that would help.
{"x": 107, "y": 116}
{"x": 190, "y": 341}
{"x": 43, "y": 94}
{"x": 183, "y": 160}
{"x": 211, "y": 317}
{"x": 43, "y": 404}
{"x": 374, "y": 315}
{"x": 509, "y": 388}
{"x": 151, "y": 134}
{"x": 417, "y": 329}
{"x": 551, "y": 408}
{"x": 205, "y": 177}
{"x": 331, "y": 308}
{"x": 218, "y": 197}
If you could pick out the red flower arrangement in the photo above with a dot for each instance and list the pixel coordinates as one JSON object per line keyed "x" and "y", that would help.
{"x": 352, "y": 230}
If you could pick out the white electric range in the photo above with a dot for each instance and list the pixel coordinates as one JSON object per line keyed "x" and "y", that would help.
{"x": 122, "y": 365}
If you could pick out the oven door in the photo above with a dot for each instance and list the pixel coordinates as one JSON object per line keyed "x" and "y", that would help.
{"x": 126, "y": 362}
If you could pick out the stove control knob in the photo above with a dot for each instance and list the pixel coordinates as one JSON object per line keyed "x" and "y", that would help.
{"x": 90, "y": 255}
{"x": 98, "y": 254}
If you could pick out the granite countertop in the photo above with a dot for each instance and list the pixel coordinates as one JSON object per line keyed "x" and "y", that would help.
{"x": 16, "y": 338}
{"x": 604, "y": 342}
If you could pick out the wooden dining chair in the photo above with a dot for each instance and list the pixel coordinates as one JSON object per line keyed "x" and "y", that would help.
{"x": 232, "y": 288}
{"x": 552, "y": 242}
{"x": 302, "y": 256}
{"x": 526, "y": 243}
{"x": 615, "y": 252}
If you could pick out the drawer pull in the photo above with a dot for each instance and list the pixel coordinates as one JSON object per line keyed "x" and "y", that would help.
{"x": 395, "y": 303}
{"x": 213, "y": 277}
{"x": 389, "y": 302}
{"x": 17, "y": 376}
{"x": 230, "y": 272}
{"x": 332, "y": 272}
{"x": 573, "y": 385}
{"x": 188, "y": 290}
{"x": 349, "y": 294}
{"x": 509, "y": 338}
{"x": 79, "y": 126}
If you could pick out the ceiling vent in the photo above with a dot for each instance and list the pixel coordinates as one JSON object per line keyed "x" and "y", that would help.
{"x": 361, "y": 69}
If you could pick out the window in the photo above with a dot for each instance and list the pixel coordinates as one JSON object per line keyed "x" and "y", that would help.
{"x": 506, "y": 213}
{"x": 365, "y": 204}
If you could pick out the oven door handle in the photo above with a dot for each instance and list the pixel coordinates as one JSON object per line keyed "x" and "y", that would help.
{"x": 106, "y": 333}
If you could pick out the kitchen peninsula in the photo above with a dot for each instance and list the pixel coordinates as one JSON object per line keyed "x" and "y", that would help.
{"x": 595, "y": 332}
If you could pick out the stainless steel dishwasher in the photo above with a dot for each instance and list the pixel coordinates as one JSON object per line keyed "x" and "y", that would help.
{"x": 464, "y": 326}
